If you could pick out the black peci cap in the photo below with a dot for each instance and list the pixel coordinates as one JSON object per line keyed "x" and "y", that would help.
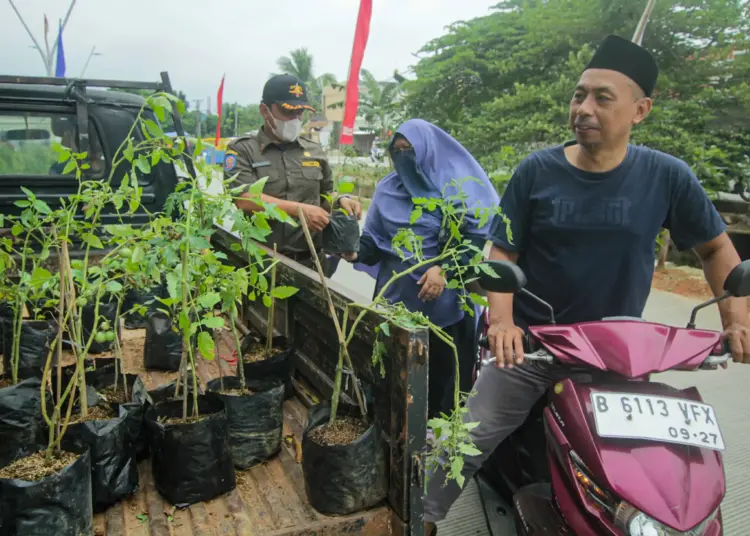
{"x": 621, "y": 55}
{"x": 287, "y": 91}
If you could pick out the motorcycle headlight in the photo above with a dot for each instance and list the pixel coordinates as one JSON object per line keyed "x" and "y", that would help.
{"x": 635, "y": 523}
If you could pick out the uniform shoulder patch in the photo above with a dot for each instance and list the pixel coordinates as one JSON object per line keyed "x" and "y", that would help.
{"x": 230, "y": 160}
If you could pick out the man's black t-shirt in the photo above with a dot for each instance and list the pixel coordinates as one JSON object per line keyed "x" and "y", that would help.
{"x": 586, "y": 241}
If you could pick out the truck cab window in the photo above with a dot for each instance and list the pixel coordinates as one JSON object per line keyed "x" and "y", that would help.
{"x": 26, "y": 144}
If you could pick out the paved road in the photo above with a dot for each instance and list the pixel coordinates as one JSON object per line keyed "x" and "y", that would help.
{"x": 727, "y": 390}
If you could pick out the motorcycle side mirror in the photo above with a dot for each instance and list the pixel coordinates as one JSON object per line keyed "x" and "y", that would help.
{"x": 502, "y": 276}
{"x": 507, "y": 278}
{"x": 736, "y": 285}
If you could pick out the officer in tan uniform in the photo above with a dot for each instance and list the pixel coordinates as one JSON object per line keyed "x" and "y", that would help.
{"x": 297, "y": 169}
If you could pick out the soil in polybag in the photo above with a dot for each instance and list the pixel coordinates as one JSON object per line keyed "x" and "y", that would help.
{"x": 107, "y": 311}
{"x": 34, "y": 343}
{"x": 146, "y": 298}
{"x": 341, "y": 235}
{"x": 163, "y": 347}
{"x": 21, "y": 416}
{"x": 102, "y": 379}
{"x": 191, "y": 462}
{"x": 59, "y": 504}
{"x": 255, "y": 420}
{"x": 114, "y": 470}
{"x": 343, "y": 478}
{"x": 263, "y": 372}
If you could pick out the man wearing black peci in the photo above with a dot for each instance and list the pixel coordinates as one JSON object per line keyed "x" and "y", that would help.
{"x": 585, "y": 216}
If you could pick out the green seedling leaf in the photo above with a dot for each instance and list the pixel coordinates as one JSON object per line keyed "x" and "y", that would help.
{"x": 487, "y": 269}
{"x": 415, "y": 215}
{"x": 256, "y": 188}
{"x": 213, "y": 322}
{"x": 142, "y": 518}
{"x": 17, "y": 229}
{"x": 42, "y": 207}
{"x": 129, "y": 152}
{"x": 114, "y": 287}
{"x": 92, "y": 240}
{"x": 69, "y": 167}
{"x": 267, "y": 300}
{"x": 143, "y": 164}
{"x": 40, "y": 276}
{"x": 206, "y": 345}
{"x": 283, "y": 293}
{"x": 23, "y": 203}
{"x": 138, "y": 255}
{"x": 207, "y": 301}
{"x": 346, "y": 187}
{"x": 28, "y": 193}
{"x": 479, "y": 300}
{"x": 153, "y": 129}
{"x": 386, "y": 329}
{"x": 469, "y": 450}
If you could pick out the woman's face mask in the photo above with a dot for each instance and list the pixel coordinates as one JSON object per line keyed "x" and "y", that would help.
{"x": 405, "y": 164}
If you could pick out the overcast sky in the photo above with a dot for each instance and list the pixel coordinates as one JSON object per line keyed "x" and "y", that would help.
{"x": 197, "y": 41}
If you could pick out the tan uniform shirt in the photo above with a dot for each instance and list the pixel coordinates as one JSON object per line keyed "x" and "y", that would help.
{"x": 296, "y": 171}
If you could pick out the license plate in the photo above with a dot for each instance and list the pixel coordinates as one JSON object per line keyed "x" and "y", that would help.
{"x": 656, "y": 418}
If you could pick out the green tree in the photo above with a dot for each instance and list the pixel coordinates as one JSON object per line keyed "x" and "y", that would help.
{"x": 501, "y": 83}
{"x": 379, "y": 103}
{"x": 299, "y": 63}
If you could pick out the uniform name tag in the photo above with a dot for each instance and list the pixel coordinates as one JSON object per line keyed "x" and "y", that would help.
{"x": 310, "y": 163}
{"x": 257, "y": 165}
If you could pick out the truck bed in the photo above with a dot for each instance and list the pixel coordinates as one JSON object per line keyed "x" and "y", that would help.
{"x": 269, "y": 499}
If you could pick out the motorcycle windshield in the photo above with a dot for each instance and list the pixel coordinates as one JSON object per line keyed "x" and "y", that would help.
{"x": 630, "y": 348}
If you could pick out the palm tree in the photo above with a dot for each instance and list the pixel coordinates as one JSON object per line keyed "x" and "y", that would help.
{"x": 299, "y": 63}
{"x": 379, "y": 103}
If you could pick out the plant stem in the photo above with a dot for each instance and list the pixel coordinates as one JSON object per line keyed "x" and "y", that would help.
{"x": 237, "y": 344}
{"x": 269, "y": 327}
{"x": 60, "y": 326}
{"x": 218, "y": 360}
{"x": 332, "y": 309}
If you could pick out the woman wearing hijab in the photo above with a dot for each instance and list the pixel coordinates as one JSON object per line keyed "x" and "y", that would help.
{"x": 426, "y": 159}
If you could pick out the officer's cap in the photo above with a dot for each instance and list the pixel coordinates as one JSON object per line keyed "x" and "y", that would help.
{"x": 286, "y": 91}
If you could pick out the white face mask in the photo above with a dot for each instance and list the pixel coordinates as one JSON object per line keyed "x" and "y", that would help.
{"x": 287, "y": 131}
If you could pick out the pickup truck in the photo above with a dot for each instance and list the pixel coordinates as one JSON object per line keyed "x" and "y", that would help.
{"x": 270, "y": 499}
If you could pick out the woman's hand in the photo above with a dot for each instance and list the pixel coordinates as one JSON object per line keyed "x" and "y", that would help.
{"x": 432, "y": 283}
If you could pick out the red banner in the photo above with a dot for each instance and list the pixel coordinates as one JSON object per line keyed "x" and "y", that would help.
{"x": 219, "y": 99}
{"x": 352, "y": 85}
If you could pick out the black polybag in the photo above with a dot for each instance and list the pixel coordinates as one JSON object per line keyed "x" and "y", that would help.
{"x": 21, "y": 421}
{"x": 163, "y": 347}
{"x": 191, "y": 462}
{"x": 255, "y": 421}
{"x": 59, "y": 504}
{"x": 341, "y": 235}
{"x": 6, "y": 313}
{"x": 144, "y": 297}
{"x": 35, "y": 341}
{"x": 109, "y": 312}
{"x": 114, "y": 470}
{"x": 343, "y": 479}
{"x": 101, "y": 378}
{"x": 265, "y": 374}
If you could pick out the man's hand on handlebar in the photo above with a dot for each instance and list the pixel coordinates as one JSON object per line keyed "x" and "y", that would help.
{"x": 506, "y": 344}
{"x": 738, "y": 337}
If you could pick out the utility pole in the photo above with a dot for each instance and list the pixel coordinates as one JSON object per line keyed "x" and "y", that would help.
{"x": 46, "y": 54}
{"x": 236, "y": 119}
{"x": 198, "y": 117}
{"x": 91, "y": 54}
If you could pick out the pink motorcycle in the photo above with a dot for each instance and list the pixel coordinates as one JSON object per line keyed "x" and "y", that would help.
{"x": 624, "y": 455}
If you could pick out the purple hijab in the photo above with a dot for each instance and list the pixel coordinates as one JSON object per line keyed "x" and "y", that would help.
{"x": 440, "y": 159}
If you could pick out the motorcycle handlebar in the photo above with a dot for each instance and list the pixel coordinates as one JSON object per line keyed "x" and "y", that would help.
{"x": 541, "y": 355}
